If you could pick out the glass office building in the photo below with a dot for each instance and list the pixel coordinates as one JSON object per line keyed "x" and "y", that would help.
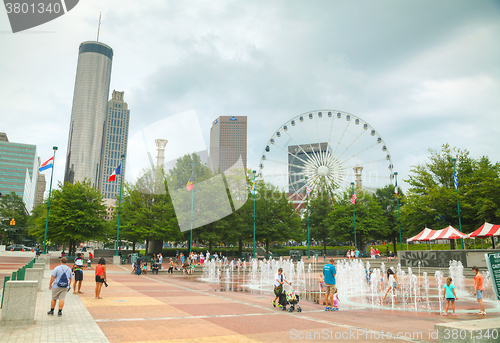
{"x": 114, "y": 144}
{"x": 19, "y": 170}
{"x": 88, "y": 114}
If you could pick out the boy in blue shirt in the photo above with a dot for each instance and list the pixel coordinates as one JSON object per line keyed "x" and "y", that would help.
{"x": 329, "y": 272}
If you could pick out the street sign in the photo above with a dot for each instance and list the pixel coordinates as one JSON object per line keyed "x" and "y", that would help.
{"x": 493, "y": 262}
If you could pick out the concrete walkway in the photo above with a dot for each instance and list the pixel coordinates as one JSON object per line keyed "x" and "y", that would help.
{"x": 158, "y": 308}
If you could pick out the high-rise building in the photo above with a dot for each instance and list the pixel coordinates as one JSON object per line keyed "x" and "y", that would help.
{"x": 114, "y": 143}
{"x": 19, "y": 170}
{"x": 40, "y": 188}
{"x": 297, "y": 155}
{"x": 88, "y": 115}
{"x": 228, "y": 142}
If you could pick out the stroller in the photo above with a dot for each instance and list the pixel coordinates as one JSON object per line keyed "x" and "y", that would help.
{"x": 289, "y": 298}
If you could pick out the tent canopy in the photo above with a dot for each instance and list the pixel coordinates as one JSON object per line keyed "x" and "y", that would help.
{"x": 486, "y": 230}
{"x": 448, "y": 233}
{"x": 422, "y": 236}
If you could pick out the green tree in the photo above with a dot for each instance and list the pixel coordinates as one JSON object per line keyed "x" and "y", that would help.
{"x": 431, "y": 200}
{"x": 276, "y": 219}
{"x": 12, "y": 207}
{"x": 76, "y": 214}
{"x": 320, "y": 205}
{"x": 386, "y": 197}
{"x": 370, "y": 220}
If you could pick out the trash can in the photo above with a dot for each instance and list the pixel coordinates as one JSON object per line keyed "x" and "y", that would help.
{"x": 124, "y": 259}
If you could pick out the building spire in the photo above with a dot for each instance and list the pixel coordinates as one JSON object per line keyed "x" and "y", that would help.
{"x": 99, "y": 27}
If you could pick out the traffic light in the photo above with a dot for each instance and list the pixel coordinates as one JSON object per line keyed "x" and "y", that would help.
{"x": 12, "y": 222}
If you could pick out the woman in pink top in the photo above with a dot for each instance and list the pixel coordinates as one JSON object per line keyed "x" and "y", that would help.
{"x": 478, "y": 289}
{"x": 100, "y": 277}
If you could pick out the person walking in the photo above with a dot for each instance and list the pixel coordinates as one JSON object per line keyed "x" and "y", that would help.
{"x": 100, "y": 277}
{"x": 329, "y": 273}
{"x": 372, "y": 253}
{"x": 478, "y": 289}
{"x": 170, "y": 268}
{"x": 450, "y": 295}
{"x": 393, "y": 284}
{"x": 160, "y": 261}
{"x": 60, "y": 284}
{"x": 279, "y": 280}
{"x": 78, "y": 270}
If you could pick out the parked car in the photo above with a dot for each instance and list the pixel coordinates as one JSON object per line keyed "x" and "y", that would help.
{"x": 17, "y": 247}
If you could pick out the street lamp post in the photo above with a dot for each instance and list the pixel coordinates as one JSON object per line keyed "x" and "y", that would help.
{"x": 354, "y": 216}
{"x": 192, "y": 213}
{"x": 399, "y": 218}
{"x": 455, "y": 179}
{"x": 307, "y": 220}
{"x": 254, "y": 217}
{"x": 48, "y": 202}
{"x": 119, "y": 206}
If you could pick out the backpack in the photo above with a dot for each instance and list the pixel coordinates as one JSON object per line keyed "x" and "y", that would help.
{"x": 63, "y": 281}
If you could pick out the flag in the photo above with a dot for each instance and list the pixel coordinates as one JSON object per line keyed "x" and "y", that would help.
{"x": 353, "y": 197}
{"x": 456, "y": 179}
{"x": 396, "y": 189}
{"x": 253, "y": 187}
{"x": 190, "y": 183}
{"x": 47, "y": 164}
{"x": 308, "y": 189}
{"x": 115, "y": 172}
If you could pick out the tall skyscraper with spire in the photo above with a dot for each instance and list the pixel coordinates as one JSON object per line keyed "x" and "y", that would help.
{"x": 88, "y": 115}
{"x": 114, "y": 143}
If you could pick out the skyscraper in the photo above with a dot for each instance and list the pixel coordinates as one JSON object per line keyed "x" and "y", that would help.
{"x": 297, "y": 155}
{"x": 228, "y": 141}
{"x": 19, "y": 170}
{"x": 88, "y": 115}
{"x": 114, "y": 143}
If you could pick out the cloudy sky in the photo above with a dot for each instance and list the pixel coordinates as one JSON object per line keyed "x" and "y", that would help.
{"x": 422, "y": 73}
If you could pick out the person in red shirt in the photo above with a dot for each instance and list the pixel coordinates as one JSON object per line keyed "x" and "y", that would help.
{"x": 478, "y": 289}
{"x": 90, "y": 259}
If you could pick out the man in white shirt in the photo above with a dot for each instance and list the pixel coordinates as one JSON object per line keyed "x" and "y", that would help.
{"x": 279, "y": 280}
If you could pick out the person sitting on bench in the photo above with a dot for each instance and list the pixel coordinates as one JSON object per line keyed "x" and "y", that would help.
{"x": 154, "y": 267}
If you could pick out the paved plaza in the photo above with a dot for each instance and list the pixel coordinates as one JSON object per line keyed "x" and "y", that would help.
{"x": 158, "y": 308}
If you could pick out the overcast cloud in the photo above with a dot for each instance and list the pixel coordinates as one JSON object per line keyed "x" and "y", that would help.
{"x": 422, "y": 73}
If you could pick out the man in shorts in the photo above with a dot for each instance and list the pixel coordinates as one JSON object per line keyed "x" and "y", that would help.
{"x": 329, "y": 273}
{"x": 78, "y": 270}
{"x": 60, "y": 284}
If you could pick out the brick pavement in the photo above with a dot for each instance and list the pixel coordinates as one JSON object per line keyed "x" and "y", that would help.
{"x": 157, "y": 308}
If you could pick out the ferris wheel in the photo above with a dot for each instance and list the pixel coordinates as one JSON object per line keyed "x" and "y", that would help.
{"x": 325, "y": 150}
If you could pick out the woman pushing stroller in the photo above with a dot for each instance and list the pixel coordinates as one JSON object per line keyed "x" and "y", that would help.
{"x": 279, "y": 280}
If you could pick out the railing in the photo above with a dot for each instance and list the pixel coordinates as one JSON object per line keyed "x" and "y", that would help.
{"x": 16, "y": 276}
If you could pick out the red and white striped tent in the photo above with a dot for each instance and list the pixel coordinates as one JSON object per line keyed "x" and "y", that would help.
{"x": 448, "y": 233}
{"x": 422, "y": 236}
{"x": 486, "y": 230}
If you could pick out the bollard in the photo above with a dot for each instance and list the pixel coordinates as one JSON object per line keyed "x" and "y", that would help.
{"x": 34, "y": 274}
{"x": 5, "y": 279}
{"x": 19, "y": 303}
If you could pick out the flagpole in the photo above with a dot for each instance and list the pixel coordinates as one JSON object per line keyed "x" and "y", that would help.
{"x": 354, "y": 217}
{"x": 119, "y": 205}
{"x": 454, "y": 160}
{"x": 253, "y": 212}
{"x": 307, "y": 220}
{"x": 192, "y": 202}
{"x": 399, "y": 218}
{"x": 48, "y": 203}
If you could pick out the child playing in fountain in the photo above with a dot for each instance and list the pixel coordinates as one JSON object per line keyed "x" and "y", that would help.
{"x": 335, "y": 300}
{"x": 321, "y": 280}
{"x": 393, "y": 284}
{"x": 449, "y": 294}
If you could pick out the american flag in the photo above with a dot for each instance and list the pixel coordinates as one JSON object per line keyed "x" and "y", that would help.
{"x": 353, "y": 197}
{"x": 308, "y": 189}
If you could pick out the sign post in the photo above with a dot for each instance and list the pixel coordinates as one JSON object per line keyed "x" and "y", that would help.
{"x": 493, "y": 262}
